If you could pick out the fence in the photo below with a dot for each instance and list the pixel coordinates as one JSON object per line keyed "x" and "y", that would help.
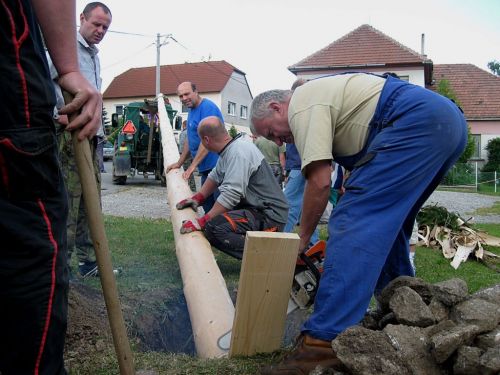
{"x": 469, "y": 176}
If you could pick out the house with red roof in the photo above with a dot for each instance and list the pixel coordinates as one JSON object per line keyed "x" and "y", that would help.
{"x": 367, "y": 49}
{"x": 478, "y": 94}
{"x": 218, "y": 81}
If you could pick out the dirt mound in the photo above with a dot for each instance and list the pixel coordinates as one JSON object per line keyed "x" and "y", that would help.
{"x": 88, "y": 329}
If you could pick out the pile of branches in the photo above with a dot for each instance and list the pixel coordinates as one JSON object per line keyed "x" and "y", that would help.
{"x": 441, "y": 229}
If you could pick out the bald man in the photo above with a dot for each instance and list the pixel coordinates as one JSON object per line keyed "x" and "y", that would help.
{"x": 250, "y": 197}
{"x": 203, "y": 159}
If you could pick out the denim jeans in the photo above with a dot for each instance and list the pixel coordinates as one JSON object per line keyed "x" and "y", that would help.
{"x": 415, "y": 138}
{"x": 210, "y": 200}
{"x": 294, "y": 192}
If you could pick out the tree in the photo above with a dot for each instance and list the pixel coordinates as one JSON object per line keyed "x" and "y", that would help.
{"x": 232, "y": 131}
{"x": 493, "y": 149}
{"x": 444, "y": 88}
{"x": 105, "y": 121}
{"x": 494, "y": 67}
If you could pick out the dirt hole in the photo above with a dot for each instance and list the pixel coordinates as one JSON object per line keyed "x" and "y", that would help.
{"x": 156, "y": 320}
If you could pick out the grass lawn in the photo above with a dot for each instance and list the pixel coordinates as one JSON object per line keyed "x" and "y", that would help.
{"x": 145, "y": 250}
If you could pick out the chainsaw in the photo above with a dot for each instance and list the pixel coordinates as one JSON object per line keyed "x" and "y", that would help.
{"x": 306, "y": 277}
{"x": 305, "y": 284}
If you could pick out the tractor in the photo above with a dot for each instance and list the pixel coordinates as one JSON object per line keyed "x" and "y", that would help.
{"x": 137, "y": 141}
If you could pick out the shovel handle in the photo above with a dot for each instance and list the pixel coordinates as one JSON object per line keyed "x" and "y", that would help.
{"x": 85, "y": 166}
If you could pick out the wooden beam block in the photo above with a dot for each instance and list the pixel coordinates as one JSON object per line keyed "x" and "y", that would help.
{"x": 263, "y": 292}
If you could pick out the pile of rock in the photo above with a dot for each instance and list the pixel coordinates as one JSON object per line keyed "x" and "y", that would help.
{"x": 427, "y": 329}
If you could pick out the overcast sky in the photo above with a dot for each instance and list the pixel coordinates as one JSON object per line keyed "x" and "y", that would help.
{"x": 263, "y": 37}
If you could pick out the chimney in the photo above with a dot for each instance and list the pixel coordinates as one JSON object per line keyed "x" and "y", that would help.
{"x": 422, "y": 45}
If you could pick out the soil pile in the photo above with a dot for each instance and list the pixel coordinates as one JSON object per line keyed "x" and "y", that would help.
{"x": 88, "y": 329}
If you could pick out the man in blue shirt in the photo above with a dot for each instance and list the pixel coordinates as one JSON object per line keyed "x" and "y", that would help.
{"x": 199, "y": 108}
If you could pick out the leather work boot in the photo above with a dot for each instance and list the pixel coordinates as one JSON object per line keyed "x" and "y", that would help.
{"x": 307, "y": 354}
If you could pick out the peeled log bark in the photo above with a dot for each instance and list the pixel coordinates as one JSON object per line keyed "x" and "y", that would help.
{"x": 210, "y": 307}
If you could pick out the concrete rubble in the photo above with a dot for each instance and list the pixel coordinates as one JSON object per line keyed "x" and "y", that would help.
{"x": 425, "y": 329}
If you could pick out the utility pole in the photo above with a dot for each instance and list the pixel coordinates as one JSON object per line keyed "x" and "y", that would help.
{"x": 158, "y": 45}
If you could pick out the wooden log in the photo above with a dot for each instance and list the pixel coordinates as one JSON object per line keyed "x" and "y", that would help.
{"x": 263, "y": 292}
{"x": 211, "y": 310}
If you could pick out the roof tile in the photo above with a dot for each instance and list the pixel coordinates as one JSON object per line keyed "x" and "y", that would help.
{"x": 364, "y": 46}
{"x": 209, "y": 76}
{"x": 477, "y": 90}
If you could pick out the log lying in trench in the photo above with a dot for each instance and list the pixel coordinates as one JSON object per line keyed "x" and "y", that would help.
{"x": 210, "y": 307}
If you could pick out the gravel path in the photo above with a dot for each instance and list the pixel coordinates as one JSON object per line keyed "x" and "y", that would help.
{"x": 145, "y": 201}
{"x": 151, "y": 202}
{"x": 465, "y": 204}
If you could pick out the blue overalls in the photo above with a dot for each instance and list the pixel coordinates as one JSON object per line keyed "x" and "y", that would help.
{"x": 415, "y": 137}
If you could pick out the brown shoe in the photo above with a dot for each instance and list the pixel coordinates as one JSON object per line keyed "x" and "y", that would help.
{"x": 307, "y": 354}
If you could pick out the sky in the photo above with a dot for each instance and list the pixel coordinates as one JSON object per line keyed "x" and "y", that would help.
{"x": 263, "y": 37}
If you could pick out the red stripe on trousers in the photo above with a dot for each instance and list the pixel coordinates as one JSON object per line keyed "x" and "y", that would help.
{"x": 52, "y": 285}
{"x": 17, "y": 48}
{"x": 3, "y": 172}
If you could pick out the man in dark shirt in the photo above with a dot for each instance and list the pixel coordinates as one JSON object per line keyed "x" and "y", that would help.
{"x": 33, "y": 205}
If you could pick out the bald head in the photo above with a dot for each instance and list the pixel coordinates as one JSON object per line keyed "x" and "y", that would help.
{"x": 213, "y": 134}
{"x": 211, "y": 126}
{"x": 186, "y": 86}
{"x": 188, "y": 94}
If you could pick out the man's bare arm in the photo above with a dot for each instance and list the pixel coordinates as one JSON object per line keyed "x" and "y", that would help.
{"x": 182, "y": 157}
{"x": 316, "y": 193}
{"x": 200, "y": 155}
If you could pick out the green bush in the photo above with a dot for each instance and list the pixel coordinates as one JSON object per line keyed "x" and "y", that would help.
{"x": 232, "y": 131}
{"x": 460, "y": 174}
{"x": 493, "y": 149}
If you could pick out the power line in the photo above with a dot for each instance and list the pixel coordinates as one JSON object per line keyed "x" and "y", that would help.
{"x": 168, "y": 36}
{"x": 128, "y": 57}
{"x": 211, "y": 66}
{"x": 127, "y": 33}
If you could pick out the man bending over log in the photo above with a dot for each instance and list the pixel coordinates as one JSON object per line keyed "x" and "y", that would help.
{"x": 250, "y": 198}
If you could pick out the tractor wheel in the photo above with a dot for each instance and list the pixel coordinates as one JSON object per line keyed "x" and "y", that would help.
{"x": 119, "y": 180}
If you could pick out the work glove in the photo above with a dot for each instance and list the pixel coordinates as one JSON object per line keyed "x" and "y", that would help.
{"x": 193, "y": 202}
{"x": 189, "y": 226}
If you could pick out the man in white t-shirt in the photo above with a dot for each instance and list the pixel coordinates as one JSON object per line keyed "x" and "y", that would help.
{"x": 398, "y": 140}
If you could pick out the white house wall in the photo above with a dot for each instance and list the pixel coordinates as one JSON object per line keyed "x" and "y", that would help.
{"x": 111, "y": 104}
{"x": 236, "y": 91}
{"x": 415, "y": 76}
{"x": 177, "y": 105}
{"x": 488, "y": 131}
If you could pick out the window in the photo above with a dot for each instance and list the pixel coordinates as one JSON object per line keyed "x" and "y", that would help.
{"x": 119, "y": 109}
{"x": 231, "y": 108}
{"x": 243, "y": 111}
{"x": 184, "y": 109}
{"x": 477, "y": 146}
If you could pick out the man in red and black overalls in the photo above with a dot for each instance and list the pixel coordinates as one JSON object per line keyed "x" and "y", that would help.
{"x": 33, "y": 205}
